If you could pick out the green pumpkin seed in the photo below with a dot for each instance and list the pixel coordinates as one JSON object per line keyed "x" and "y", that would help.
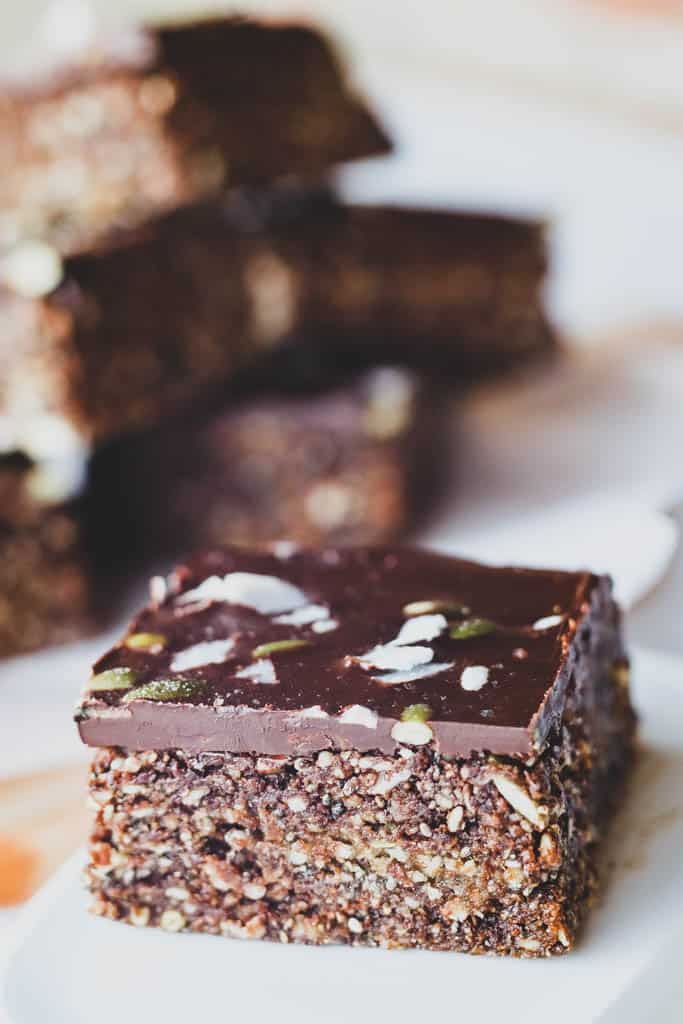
{"x": 471, "y": 628}
{"x": 174, "y": 688}
{"x": 145, "y": 641}
{"x": 264, "y": 650}
{"x": 113, "y": 679}
{"x": 416, "y": 713}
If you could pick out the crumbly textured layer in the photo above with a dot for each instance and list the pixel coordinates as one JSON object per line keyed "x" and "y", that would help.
{"x": 164, "y": 117}
{"x": 483, "y": 854}
{"x": 44, "y": 582}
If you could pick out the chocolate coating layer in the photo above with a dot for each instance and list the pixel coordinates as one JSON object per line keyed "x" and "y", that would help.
{"x": 366, "y": 596}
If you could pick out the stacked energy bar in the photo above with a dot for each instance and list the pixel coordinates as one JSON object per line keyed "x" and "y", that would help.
{"x": 176, "y": 276}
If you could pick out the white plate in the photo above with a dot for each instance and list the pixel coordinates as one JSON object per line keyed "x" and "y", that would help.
{"x": 75, "y": 969}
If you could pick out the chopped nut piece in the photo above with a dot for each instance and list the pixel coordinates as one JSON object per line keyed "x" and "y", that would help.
{"x": 391, "y": 404}
{"x": 474, "y": 677}
{"x": 158, "y": 589}
{"x": 270, "y": 765}
{"x": 393, "y": 656}
{"x": 139, "y": 916}
{"x": 220, "y": 875}
{"x": 399, "y": 676}
{"x": 177, "y": 892}
{"x": 430, "y": 865}
{"x": 329, "y": 505}
{"x": 386, "y": 782}
{"x": 414, "y": 733}
{"x": 31, "y": 269}
{"x": 268, "y": 595}
{"x": 325, "y": 626}
{"x": 397, "y": 853}
{"x": 455, "y": 910}
{"x": 172, "y": 921}
{"x": 157, "y": 94}
{"x": 430, "y": 607}
{"x": 514, "y": 876}
{"x": 519, "y": 799}
{"x": 195, "y": 796}
{"x": 548, "y": 850}
{"x": 304, "y": 616}
{"x": 254, "y": 891}
{"x": 315, "y": 711}
{"x": 548, "y": 622}
{"x": 262, "y": 671}
{"x": 254, "y": 928}
{"x": 207, "y": 652}
{"x": 455, "y": 818}
{"x": 357, "y": 714}
{"x": 420, "y": 629}
{"x": 297, "y": 804}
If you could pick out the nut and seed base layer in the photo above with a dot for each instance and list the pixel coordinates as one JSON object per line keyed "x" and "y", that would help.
{"x": 155, "y": 118}
{"x": 370, "y": 746}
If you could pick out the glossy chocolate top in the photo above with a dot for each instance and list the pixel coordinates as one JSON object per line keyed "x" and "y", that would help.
{"x": 290, "y": 651}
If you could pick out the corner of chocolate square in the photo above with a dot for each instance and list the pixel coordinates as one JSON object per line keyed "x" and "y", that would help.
{"x": 381, "y": 747}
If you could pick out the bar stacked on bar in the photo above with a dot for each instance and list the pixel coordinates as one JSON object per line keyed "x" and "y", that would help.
{"x": 97, "y": 146}
{"x": 378, "y": 747}
{"x": 170, "y": 248}
{"x": 158, "y": 118}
